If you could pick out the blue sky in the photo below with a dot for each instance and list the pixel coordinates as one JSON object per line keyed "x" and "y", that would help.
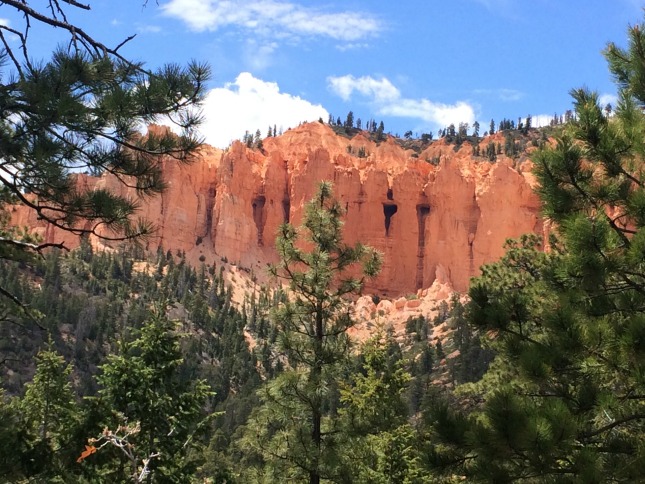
{"x": 417, "y": 65}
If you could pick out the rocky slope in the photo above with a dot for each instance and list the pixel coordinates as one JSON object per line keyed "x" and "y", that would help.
{"x": 432, "y": 222}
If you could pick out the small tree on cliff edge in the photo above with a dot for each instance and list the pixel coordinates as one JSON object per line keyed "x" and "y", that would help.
{"x": 294, "y": 431}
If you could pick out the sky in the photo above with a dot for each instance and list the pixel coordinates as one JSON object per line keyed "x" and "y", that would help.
{"x": 416, "y": 65}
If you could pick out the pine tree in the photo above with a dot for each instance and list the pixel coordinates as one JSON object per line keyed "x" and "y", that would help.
{"x": 149, "y": 402}
{"x": 427, "y": 137}
{"x": 491, "y": 152}
{"x": 49, "y": 403}
{"x": 569, "y": 405}
{"x": 349, "y": 122}
{"x": 294, "y": 430}
{"x": 379, "y": 444}
{"x": 380, "y": 132}
{"x": 81, "y": 110}
{"x": 50, "y": 415}
{"x": 372, "y": 400}
{"x": 13, "y": 442}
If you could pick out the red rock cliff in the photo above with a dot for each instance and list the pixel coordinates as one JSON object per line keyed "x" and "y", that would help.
{"x": 429, "y": 221}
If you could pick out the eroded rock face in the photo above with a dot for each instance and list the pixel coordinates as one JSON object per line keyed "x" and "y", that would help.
{"x": 430, "y": 221}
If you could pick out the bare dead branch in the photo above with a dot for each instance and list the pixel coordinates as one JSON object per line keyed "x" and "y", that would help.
{"x": 77, "y": 34}
{"x": 35, "y": 247}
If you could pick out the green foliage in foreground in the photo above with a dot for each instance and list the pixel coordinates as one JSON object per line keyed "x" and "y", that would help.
{"x": 569, "y": 326}
{"x": 143, "y": 383}
{"x": 140, "y": 370}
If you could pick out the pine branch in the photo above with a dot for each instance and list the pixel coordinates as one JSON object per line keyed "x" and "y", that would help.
{"x": 21, "y": 305}
{"x": 615, "y": 423}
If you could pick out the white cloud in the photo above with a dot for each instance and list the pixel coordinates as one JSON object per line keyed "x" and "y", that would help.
{"x": 249, "y": 104}
{"x": 387, "y": 100}
{"x": 431, "y": 112}
{"x": 273, "y": 17}
{"x": 9, "y": 35}
{"x": 381, "y": 90}
{"x": 607, "y": 98}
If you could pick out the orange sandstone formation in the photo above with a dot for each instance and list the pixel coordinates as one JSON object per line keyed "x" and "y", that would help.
{"x": 430, "y": 221}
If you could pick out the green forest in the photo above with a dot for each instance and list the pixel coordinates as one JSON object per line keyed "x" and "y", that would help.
{"x": 130, "y": 366}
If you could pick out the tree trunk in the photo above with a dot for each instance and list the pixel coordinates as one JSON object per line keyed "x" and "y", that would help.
{"x": 316, "y": 435}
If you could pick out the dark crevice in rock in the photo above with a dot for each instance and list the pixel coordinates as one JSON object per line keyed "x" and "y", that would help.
{"x": 389, "y": 209}
{"x": 423, "y": 210}
{"x": 286, "y": 209}
{"x": 361, "y": 199}
{"x": 210, "y": 204}
{"x": 259, "y": 216}
{"x": 473, "y": 222}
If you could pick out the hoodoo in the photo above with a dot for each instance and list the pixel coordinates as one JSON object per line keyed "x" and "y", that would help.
{"x": 436, "y": 207}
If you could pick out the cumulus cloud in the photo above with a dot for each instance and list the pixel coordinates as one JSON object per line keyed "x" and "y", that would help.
{"x": 607, "y": 98}
{"x": 248, "y": 104}
{"x": 388, "y": 101}
{"x": 273, "y": 17}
